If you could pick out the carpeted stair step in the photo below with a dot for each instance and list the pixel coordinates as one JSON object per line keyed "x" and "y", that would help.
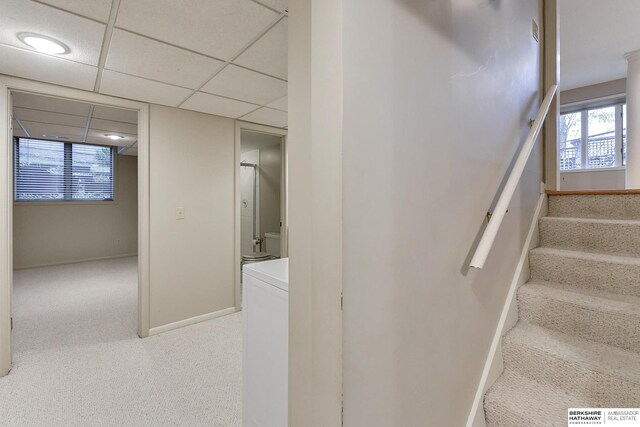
{"x": 603, "y": 375}
{"x": 516, "y": 400}
{"x": 611, "y": 206}
{"x": 621, "y": 237}
{"x": 612, "y": 273}
{"x": 589, "y": 314}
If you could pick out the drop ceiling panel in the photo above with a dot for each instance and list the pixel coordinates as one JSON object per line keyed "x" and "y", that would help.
{"x": 219, "y": 28}
{"x": 95, "y": 9}
{"x": 49, "y": 69}
{"x": 115, "y": 114}
{"x": 132, "y": 87}
{"x": 280, "y": 5}
{"x": 269, "y": 54}
{"x": 17, "y": 130}
{"x": 114, "y": 127}
{"x": 141, "y": 56}
{"x": 267, "y": 116}
{"x": 83, "y": 36}
{"x": 245, "y": 85}
{"x": 217, "y": 105}
{"x": 38, "y": 130}
{"x": 132, "y": 151}
{"x": 25, "y": 114}
{"x": 47, "y": 103}
{"x": 280, "y": 104}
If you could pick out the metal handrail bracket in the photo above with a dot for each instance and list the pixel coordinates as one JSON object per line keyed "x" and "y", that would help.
{"x": 490, "y": 232}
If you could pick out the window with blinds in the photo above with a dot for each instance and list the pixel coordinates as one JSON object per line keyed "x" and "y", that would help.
{"x": 62, "y": 171}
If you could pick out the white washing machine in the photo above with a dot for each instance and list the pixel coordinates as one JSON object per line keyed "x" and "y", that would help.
{"x": 265, "y": 307}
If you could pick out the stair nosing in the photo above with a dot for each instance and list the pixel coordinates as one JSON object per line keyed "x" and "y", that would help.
{"x": 589, "y": 256}
{"x": 591, "y": 220}
{"x": 585, "y": 297}
{"x": 529, "y": 335}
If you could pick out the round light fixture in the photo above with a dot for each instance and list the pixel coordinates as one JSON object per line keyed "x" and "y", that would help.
{"x": 113, "y": 136}
{"x": 55, "y": 136}
{"x": 44, "y": 44}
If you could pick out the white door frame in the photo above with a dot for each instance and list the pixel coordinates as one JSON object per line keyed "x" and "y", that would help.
{"x": 240, "y": 126}
{"x": 9, "y": 84}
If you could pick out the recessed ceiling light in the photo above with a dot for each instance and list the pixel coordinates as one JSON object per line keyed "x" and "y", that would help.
{"x": 113, "y": 136}
{"x": 55, "y": 136}
{"x": 43, "y": 44}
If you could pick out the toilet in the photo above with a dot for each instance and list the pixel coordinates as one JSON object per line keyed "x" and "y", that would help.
{"x": 272, "y": 246}
{"x": 255, "y": 257}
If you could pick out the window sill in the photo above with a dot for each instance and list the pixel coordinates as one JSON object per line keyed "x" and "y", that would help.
{"x": 69, "y": 203}
{"x": 617, "y": 168}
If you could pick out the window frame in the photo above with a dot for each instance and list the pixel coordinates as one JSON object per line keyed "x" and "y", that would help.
{"x": 66, "y": 202}
{"x": 583, "y": 108}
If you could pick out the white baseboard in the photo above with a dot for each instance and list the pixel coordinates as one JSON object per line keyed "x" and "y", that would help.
{"x": 186, "y": 322}
{"x": 493, "y": 366}
{"x": 75, "y": 261}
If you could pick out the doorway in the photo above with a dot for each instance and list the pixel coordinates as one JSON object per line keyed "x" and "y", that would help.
{"x": 87, "y": 177}
{"x": 75, "y": 223}
{"x": 260, "y": 196}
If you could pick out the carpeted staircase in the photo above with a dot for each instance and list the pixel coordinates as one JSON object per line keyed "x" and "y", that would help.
{"x": 577, "y": 341}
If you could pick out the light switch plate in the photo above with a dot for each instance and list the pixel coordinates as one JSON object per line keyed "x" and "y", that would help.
{"x": 179, "y": 213}
{"x": 535, "y": 30}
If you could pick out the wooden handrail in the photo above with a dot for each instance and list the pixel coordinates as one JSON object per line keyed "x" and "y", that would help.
{"x": 496, "y": 217}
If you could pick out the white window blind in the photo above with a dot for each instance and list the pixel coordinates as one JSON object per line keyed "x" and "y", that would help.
{"x": 62, "y": 171}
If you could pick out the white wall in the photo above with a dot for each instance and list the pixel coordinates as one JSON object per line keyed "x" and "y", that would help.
{"x": 192, "y": 260}
{"x": 314, "y": 156}
{"x": 606, "y": 179}
{"x": 46, "y": 234}
{"x": 437, "y": 96}
{"x": 588, "y": 93}
{"x": 270, "y": 181}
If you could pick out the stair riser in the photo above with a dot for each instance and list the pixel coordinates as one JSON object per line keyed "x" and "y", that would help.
{"x": 600, "y": 389}
{"x": 624, "y": 206}
{"x": 587, "y": 274}
{"x": 614, "y": 328}
{"x": 610, "y": 238}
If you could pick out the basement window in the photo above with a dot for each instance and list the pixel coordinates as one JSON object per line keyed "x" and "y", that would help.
{"x": 593, "y": 138}
{"x": 54, "y": 171}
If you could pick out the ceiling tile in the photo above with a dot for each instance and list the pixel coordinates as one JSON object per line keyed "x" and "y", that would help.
{"x": 131, "y": 151}
{"x": 25, "y": 114}
{"x": 38, "y": 130}
{"x": 48, "y": 103}
{"x": 245, "y": 85}
{"x": 281, "y": 104}
{"x": 94, "y": 9}
{"x": 17, "y": 129}
{"x": 269, "y": 53}
{"x": 267, "y": 116}
{"x": 115, "y": 114}
{"x": 49, "y": 69}
{"x": 217, "y": 105}
{"x": 116, "y": 127}
{"x": 132, "y": 87}
{"x": 140, "y": 56}
{"x": 83, "y": 36}
{"x": 219, "y": 28}
{"x": 280, "y": 5}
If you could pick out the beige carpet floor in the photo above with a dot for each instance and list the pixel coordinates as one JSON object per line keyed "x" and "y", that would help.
{"x": 78, "y": 361}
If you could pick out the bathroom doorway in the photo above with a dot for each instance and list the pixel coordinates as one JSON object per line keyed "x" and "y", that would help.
{"x": 261, "y": 195}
